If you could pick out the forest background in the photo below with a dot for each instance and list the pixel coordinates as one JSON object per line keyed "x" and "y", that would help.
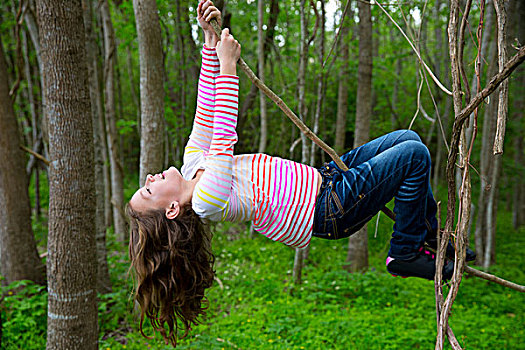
{"x": 257, "y": 301}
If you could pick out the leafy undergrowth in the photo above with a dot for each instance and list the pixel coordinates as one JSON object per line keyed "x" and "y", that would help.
{"x": 259, "y": 308}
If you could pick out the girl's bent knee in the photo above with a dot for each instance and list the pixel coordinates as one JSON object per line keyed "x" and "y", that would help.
{"x": 409, "y": 135}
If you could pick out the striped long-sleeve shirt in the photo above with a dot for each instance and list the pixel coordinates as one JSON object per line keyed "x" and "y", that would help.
{"x": 278, "y": 195}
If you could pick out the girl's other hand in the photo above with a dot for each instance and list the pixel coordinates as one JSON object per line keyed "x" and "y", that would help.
{"x": 228, "y": 51}
{"x": 206, "y": 11}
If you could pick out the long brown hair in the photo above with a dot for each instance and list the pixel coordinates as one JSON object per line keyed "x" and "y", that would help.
{"x": 173, "y": 264}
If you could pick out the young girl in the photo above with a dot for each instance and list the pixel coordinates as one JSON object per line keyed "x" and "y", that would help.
{"x": 286, "y": 201}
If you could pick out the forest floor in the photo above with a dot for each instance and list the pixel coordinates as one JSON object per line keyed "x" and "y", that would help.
{"x": 258, "y": 307}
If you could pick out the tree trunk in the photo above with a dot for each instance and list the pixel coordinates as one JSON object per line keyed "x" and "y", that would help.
{"x": 320, "y": 82}
{"x": 486, "y": 164}
{"x": 260, "y": 65}
{"x": 268, "y": 42}
{"x": 152, "y": 123}
{"x": 357, "y": 257}
{"x": 103, "y": 280}
{"x": 518, "y": 86}
{"x": 18, "y": 253}
{"x": 117, "y": 191}
{"x": 301, "y": 107}
{"x": 71, "y": 261}
{"x": 342, "y": 91}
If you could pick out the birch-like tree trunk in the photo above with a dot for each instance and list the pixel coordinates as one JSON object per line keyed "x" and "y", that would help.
{"x": 103, "y": 280}
{"x": 152, "y": 123}
{"x": 18, "y": 254}
{"x": 342, "y": 90}
{"x": 71, "y": 261}
{"x": 117, "y": 174}
{"x": 260, "y": 65}
{"x": 357, "y": 257}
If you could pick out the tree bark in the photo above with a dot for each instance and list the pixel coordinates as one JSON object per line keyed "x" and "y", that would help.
{"x": 486, "y": 163}
{"x": 320, "y": 81}
{"x": 301, "y": 107}
{"x": 72, "y": 308}
{"x": 103, "y": 280}
{"x": 260, "y": 65}
{"x": 268, "y": 43}
{"x": 152, "y": 124}
{"x": 342, "y": 91}
{"x": 18, "y": 252}
{"x": 357, "y": 257}
{"x": 117, "y": 190}
{"x": 518, "y": 87}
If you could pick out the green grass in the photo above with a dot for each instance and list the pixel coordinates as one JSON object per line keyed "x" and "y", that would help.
{"x": 259, "y": 308}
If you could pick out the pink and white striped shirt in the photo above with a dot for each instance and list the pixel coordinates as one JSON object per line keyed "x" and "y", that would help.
{"x": 278, "y": 195}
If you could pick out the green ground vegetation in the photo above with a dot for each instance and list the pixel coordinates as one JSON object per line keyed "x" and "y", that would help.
{"x": 258, "y": 306}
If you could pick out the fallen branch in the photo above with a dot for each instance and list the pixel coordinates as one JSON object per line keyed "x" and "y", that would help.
{"x": 491, "y": 278}
{"x": 495, "y": 279}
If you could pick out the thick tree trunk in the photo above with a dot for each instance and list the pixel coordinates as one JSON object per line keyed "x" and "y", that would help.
{"x": 342, "y": 91}
{"x": 71, "y": 261}
{"x": 260, "y": 65}
{"x": 358, "y": 243}
{"x": 18, "y": 253}
{"x": 103, "y": 280}
{"x": 152, "y": 123}
{"x": 117, "y": 191}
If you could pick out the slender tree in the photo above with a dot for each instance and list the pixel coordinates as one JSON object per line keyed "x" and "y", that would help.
{"x": 117, "y": 172}
{"x": 103, "y": 280}
{"x": 71, "y": 261}
{"x": 358, "y": 243}
{"x": 343, "y": 81}
{"x": 18, "y": 254}
{"x": 151, "y": 87}
{"x": 260, "y": 66}
{"x": 518, "y": 212}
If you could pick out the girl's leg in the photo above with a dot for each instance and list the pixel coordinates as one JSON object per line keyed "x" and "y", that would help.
{"x": 393, "y": 169}
{"x": 364, "y": 153}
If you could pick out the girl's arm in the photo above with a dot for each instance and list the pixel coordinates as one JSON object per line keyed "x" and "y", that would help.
{"x": 202, "y": 131}
{"x": 212, "y": 192}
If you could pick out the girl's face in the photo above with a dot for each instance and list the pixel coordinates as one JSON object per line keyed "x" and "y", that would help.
{"x": 161, "y": 191}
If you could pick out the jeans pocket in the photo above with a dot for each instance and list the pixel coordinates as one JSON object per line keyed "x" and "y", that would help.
{"x": 335, "y": 205}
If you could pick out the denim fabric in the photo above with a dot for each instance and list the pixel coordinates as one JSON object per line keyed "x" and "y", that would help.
{"x": 396, "y": 165}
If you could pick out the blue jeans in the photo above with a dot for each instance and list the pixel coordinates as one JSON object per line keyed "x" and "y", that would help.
{"x": 396, "y": 165}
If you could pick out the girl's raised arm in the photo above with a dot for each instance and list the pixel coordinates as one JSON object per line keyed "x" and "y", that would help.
{"x": 201, "y": 135}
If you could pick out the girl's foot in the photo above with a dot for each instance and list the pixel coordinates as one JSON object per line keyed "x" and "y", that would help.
{"x": 422, "y": 266}
{"x": 432, "y": 243}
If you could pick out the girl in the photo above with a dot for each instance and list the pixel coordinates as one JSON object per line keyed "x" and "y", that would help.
{"x": 286, "y": 201}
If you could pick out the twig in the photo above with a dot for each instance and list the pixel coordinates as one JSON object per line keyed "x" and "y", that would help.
{"x": 493, "y": 84}
{"x": 461, "y": 46}
{"x": 338, "y": 31}
{"x": 36, "y": 155}
{"x": 436, "y": 80}
{"x": 418, "y": 104}
{"x": 495, "y": 279}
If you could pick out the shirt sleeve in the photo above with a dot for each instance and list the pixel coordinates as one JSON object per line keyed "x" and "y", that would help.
{"x": 213, "y": 190}
{"x": 201, "y": 135}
